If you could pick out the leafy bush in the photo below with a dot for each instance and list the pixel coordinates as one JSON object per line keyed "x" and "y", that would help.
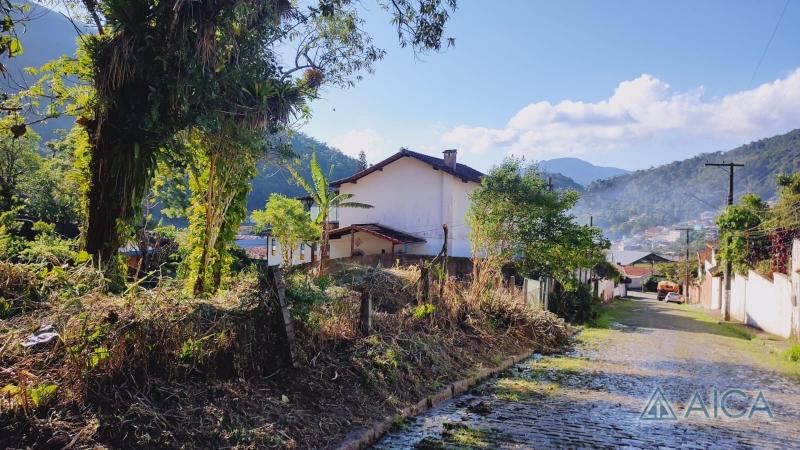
{"x": 577, "y": 306}
{"x": 793, "y": 353}
{"x": 19, "y": 286}
{"x": 303, "y": 298}
{"x": 48, "y": 247}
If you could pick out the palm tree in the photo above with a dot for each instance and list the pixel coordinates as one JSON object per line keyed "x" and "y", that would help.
{"x": 326, "y": 199}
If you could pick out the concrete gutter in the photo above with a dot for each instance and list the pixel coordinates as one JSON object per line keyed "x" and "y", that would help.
{"x": 364, "y": 438}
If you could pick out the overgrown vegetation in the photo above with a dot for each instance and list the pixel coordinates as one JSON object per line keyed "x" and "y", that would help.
{"x": 755, "y": 235}
{"x": 156, "y": 368}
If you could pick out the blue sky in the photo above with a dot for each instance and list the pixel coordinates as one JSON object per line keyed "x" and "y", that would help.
{"x": 624, "y": 83}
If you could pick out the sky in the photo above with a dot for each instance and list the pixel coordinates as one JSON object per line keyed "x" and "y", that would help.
{"x": 631, "y": 84}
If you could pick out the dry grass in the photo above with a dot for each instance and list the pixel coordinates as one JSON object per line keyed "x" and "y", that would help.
{"x": 153, "y": 369}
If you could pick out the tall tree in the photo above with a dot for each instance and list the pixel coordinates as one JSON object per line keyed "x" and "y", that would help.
{"x": 362, "y": 160}
{"x": 18, "y": 159}
{"x": 514, "y": 217}
{"x": 326, "y": 199}
{"x": 158, "y": 67}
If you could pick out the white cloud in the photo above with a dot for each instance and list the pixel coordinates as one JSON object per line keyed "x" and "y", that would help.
{"x": 354, "y": 141}
{"x": 639, "y": 110}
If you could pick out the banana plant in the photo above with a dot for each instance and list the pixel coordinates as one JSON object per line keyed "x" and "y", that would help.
{"x": 326, "y": 199}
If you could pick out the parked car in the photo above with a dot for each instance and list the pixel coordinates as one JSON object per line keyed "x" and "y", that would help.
{"x": 674, "y": 297}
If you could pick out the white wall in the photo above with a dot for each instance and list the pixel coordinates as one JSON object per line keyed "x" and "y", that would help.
{"x": 716, "y": 291}
{"x": 276, "y": 259}
{"x": 410, "y": 196}
{"x": 762, "y": 303}
{"x": 738, "y": 298}
{"x": 768, "y": 303}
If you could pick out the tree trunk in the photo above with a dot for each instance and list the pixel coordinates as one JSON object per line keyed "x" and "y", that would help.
{"x": 323, "y": 251}
{"x": 120, "y": 169}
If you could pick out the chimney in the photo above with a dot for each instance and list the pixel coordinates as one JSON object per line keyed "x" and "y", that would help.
{"x": 450, "y": 158}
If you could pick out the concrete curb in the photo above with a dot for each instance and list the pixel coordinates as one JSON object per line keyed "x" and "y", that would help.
{"x": 364, "y": 438}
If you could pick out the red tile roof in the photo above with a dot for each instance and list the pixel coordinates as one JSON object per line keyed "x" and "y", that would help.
{"x": 633, "y": 271}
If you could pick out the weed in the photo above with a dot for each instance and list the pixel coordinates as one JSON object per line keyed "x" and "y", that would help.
{"x": 424, "y": 310}
{"x": 398, "y": 422}
{"x": 793, "y": 352}
{"x": 42, "y": 393}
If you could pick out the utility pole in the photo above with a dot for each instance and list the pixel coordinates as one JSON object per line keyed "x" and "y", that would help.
{"x": 686, "y": 279}
{"x": 726, "y": 301}
{"x": 549, "y": 184}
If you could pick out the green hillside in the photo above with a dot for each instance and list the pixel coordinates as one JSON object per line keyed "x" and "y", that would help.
{"x": 681, "y": 190}
{"x": 274, "y": 178}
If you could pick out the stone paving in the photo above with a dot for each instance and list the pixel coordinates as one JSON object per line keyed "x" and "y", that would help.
{"x": 595, "y": 396}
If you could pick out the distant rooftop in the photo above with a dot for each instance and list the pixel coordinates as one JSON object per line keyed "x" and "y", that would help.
{"x": 630, "y": 257}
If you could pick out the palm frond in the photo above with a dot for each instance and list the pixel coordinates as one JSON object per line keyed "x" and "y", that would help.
{"x": 354, "y": 205}
{"x": 303, "y": 183}
{"x": 320, "y": 181}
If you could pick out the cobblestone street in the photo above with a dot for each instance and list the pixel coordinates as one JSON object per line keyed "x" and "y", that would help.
{"x": 595, "y": 396}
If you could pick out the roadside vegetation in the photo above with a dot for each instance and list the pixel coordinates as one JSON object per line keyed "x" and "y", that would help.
{"x": 757, "y": 236}
{"x": 157, "y": 368}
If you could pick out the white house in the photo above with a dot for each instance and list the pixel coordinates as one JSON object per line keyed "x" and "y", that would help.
{"x": 412, "y": 196}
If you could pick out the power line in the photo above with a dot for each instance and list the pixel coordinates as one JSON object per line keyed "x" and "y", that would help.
{"x": 769, "y": 42}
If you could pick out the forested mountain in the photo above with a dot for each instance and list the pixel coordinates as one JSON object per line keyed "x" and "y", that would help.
{"x": 274, "y": 178}
{"x": 681, "y": 190}
{"x": 582, "y": 172}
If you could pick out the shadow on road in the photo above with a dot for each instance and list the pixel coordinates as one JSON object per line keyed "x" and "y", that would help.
{"x": 643, "y": 310}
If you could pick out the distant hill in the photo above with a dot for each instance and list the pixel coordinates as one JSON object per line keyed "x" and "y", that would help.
{"x": 276, "y": 179}
{"x": 46, "y": 37}
{"x": 579, "y": 170}
{"x": 561, "y": 181}
{"x": 679, "y": 191}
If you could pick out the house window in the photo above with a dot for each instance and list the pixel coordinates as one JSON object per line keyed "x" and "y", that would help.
{"x": 272, "y": 247}
{"x": 302, "y": 252}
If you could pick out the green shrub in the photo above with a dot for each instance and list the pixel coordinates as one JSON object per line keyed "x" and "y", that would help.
{"x": 303, "y": 297}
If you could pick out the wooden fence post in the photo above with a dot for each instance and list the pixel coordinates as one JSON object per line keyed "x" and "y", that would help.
{"x": 365, "y": 317}
{"x": 423, "y": 276}
{"x": 271, "y": 282}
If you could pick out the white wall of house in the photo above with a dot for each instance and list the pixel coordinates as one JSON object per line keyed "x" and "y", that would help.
{"x": 413, "y": 197}
{"x": 365, "y": 242}
{"x": 300, "y": 254}
{"x": 770, "y": 305}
